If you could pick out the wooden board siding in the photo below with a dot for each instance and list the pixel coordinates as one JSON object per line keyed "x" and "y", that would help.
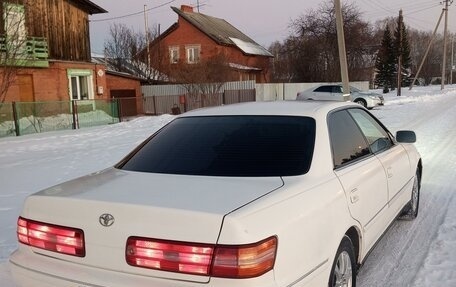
{"x": 65, "y": 26}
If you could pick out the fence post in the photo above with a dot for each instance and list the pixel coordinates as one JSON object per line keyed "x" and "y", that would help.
{"x": 185, "y": 103}
{"x": 119, "y": 110}
{"x": 223, "y": 98}
{"x": 239, "y": 96}
{"x": 17, "y": 127}
{"x": 155, "y": 105}
{"x": 74, "y": 108}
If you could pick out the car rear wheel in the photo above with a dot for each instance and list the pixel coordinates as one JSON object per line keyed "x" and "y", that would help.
{"x": 361, "y": 102}
{"x": 411, "y": 209}
{"x": 343, "y": 271}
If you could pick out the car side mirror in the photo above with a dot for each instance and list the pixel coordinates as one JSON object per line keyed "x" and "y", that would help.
{"x": 406, "y": 136}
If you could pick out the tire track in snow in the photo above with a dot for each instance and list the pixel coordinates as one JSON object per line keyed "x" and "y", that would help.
{"x": 401, "y": 254}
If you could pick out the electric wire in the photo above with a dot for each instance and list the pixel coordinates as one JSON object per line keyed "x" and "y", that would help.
{"x": 133, "y": 14}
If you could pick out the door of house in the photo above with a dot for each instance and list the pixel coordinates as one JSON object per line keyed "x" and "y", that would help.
{"x": 127, "y": 99}
{"x": 26, "y": 88}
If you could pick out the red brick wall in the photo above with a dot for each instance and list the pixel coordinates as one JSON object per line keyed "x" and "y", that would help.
{"x": 187, "y": 34}
{"x": 51, "y": 84}
{"x": 121, "y": 83}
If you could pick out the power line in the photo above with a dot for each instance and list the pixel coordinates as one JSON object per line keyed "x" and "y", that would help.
{"x": 421, "y": 10}
{"x": 133, "y": 14}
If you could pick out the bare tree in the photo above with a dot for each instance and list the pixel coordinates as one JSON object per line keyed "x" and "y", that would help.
{"x": 314, "y": 44}
{"x": 205, "y": 78}
{"x": 419, "y": 41}
{"x": 13, "y": 46}
{"x": 282, "y": 63}
{"x": 125, "y": 51}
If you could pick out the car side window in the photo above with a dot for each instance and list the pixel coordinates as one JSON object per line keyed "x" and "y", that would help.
{"x": 337, "y": 89}
{"x": 375, "y": 134}
{"x": 323, "y": 89}
{"x": 347, "y": 142}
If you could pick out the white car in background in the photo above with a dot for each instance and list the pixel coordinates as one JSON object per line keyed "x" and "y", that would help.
{"x": 333, "y": 92}
{"x": 268, "y": 194}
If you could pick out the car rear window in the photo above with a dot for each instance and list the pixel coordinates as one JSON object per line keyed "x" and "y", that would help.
{"x": 243, "y": 146}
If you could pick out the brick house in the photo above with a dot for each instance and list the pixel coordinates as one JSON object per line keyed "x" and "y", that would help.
{"x": 197, "y": 37}
{"x": 57, "y": 63}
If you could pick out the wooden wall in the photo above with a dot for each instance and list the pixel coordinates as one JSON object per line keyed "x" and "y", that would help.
{"x": 63, "y": 23}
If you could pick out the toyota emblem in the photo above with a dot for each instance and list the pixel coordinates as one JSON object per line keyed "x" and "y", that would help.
{"x": 106, "y": 220}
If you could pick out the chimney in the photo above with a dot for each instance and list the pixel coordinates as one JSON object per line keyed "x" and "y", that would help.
{"x": 186, "y": 8}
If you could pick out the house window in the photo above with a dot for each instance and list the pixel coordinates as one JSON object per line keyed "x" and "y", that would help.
{"x": 193, "y": 54}
{"x": 15, "y": 30}
{"x": 174, "y": 55}
{"x": 80, "y": 84}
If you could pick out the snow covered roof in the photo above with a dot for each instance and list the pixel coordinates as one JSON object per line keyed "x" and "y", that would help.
{"x": 222, "y": 32}
{"x": 242, "y": 67}
{"x": 251, "y": 48}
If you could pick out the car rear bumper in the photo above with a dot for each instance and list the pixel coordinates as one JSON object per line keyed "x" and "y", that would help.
{"x": 29, "y": 269}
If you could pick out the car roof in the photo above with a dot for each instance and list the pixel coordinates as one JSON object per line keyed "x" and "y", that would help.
{"x": 275, "y": 108}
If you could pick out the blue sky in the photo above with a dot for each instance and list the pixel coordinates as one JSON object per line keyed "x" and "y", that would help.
{"x": 264, "y": 21}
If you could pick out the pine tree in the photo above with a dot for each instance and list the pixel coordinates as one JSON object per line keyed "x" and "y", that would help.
{"x": 385, "y": 62}
{"x": 405, "y": 51}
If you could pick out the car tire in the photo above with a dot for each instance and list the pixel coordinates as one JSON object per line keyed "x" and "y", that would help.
{"x": 361, "y": 102}
{"x": 410, "y": 211}
{"x": 343, "y": 271}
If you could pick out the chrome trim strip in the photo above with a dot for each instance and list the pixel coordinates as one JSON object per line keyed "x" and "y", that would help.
{"x": 389, "y": 203}
{"x": 396, "y": 196}
{"x": 308, "y": 273}
{"x": 375, "y": 216}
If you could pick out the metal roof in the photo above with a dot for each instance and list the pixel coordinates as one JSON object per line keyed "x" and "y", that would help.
{"x": 223, "y": 32}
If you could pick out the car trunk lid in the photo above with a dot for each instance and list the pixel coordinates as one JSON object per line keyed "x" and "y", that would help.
{"x": 159, "y": 206}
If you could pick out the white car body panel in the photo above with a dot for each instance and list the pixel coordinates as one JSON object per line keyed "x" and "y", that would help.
{"x": 309, "y": 214}
{"x": 367, "y": 196}
{"x": 161, "y": 200}
{"x": 371, "y": 100}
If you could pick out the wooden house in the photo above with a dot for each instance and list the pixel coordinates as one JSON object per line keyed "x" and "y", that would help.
{"x": 45, "y": 47}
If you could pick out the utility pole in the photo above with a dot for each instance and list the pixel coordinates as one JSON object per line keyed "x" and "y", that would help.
{"x": 342, "y": 52}
{"x": 445, "y": 35}
{"x": 452, "y": 60}
{"x": 399, "y": 52}
{"x": 428, "y": 48}
{"x": 146, "y": 29}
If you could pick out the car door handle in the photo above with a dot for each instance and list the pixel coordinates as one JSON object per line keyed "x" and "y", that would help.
{"x": 389, "y": 172}
{"x": 354, "y": 197}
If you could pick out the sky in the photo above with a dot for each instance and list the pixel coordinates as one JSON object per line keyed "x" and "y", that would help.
{"x": 264, "y": 21}
{"x": 415, "y": 253}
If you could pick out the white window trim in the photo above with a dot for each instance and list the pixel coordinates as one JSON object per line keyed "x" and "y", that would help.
{"x": 80, "y": 73}
{"x": 172, "y": 49}
{"x": 16, "y": 32}
{"x": 192, "y": 58}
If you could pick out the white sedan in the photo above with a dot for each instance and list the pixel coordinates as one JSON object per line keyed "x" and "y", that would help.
{"x": 256, "y": 194}
{"x": 333, "y": 92}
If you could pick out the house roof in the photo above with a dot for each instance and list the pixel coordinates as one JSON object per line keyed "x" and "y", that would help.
{"x": 130, "y": 71}
{"x": 223, "y": 32}
{"x": 89, "y": 6}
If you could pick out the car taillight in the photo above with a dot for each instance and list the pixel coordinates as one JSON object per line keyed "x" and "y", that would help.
{"x": 228, "y": 261}
{"x": 51, "y": 237}
{"x": 244, "y": 261}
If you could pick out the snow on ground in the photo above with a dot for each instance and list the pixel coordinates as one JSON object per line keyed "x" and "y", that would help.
{"x": 412, "y": 253}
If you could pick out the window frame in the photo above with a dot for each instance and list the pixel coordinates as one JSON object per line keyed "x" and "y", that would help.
{"x": 332, "y": 146}
{"x": 193, "y": 54}
{"x": 75, "y": 78}
{"x": 174, "y": 54}
{"x": 373, "y": 119}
